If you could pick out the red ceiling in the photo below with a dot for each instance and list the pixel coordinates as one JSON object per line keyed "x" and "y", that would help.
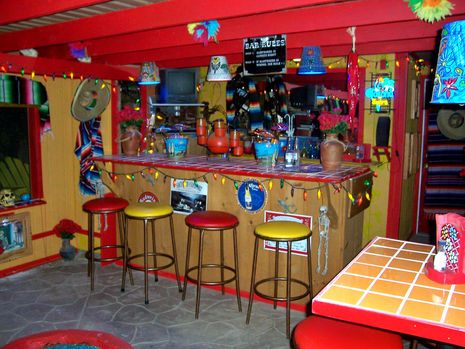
{"x": 158, "y": 32}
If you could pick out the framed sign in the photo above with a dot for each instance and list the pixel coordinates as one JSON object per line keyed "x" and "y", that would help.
{"x": 15, "y": 236}
{"x": 251, "y": 196}
{"x": 265, "y": 55}
{"x": 297, "y": 247}
{"x": 188, "y": 196}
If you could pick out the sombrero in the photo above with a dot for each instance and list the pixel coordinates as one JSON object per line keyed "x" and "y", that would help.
{"x": 90, "y": 100}
{"x": 451, "y": 123}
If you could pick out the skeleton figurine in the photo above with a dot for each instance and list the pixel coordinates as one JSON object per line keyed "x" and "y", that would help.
{"x": 7, "y": 198}
{"x": 323, "y": 228}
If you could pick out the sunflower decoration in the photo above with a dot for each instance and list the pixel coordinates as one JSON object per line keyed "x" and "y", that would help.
{"x": 431, "y": 10}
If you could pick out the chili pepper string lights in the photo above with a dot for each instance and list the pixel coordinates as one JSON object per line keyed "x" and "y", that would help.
{"x": 152, "y": 175}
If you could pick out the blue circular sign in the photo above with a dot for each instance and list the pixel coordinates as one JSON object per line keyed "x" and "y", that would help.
{"x": 250, "y": 196}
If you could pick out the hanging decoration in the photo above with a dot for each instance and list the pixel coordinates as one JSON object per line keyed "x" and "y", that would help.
{"x": 353, "y": 80}
{"x": 89, "y": 145}
{"x": 323, "y": 228}
{"x": 204, "y": 31}
{"x": 431, "y": 10}
{"x": 79, "y": 51}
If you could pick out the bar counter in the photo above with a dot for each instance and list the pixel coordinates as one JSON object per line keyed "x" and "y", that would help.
{"x": 346, "y": 193}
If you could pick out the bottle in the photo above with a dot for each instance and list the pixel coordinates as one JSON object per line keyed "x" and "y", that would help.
{"x": 247, "y": 198}
{"x": 440, "y": 259}
{"x": 292, "y": 155}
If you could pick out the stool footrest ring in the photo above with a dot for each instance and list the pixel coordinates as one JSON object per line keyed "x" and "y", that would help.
{"x": 211, "y": 266}
{"x": 108, "y": 259}
{"x": 282, "y": 279}
{"x": 151, "y": 254}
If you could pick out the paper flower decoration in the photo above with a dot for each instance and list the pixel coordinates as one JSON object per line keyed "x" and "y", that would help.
{"x": 204, "y": 31}
{"x": 431, "y": 10}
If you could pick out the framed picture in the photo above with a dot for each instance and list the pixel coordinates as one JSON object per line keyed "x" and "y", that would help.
{"x": 188, "y": 196}
{"x": 15, "y": 236}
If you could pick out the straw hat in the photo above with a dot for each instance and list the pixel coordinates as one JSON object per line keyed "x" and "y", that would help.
{"x": 90, "y": 100}
{"x": 451, "y": 123}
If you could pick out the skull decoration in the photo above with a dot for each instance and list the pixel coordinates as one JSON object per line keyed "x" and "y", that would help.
{"x": 7, "y": 198}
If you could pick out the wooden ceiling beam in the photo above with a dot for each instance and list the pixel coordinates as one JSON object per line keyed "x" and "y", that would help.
{"x": 56, "y": 67}
{"x": 21, "y": 10}
{"x": 333, "y": 37}
{"x": 343, "y": 15}
{"x": 159, "y": 15}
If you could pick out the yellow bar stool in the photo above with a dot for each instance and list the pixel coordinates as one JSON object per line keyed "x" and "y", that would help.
{"x": 105, "y": 206}
{"x": 211, "y": 221}
{"x": 288, "y": 232}
{"x": 150, "y": 212}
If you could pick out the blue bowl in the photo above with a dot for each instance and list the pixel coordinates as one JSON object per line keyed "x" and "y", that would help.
{"x": 266, "y": 153}
{"x": 176, "y": 147}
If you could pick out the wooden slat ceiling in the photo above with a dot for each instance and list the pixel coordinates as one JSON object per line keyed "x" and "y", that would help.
{"x": 132, "y": 31}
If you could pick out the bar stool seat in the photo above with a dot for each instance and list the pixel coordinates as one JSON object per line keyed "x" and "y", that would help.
{"x": 150, "y": 212}
{"x": 317, "y": 332}
{"x": 107, "y": 205}
{"x": 211, "y": 221}
{"x": 281, "y": 231}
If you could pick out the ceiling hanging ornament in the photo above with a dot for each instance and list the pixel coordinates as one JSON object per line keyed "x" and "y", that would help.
{"x": 353, "y": 80}
{"x": 204, "y": 31}
{"x": 431, "y": 10}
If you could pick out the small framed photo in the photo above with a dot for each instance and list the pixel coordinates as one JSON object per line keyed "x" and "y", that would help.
{"x": 15, "y": 236}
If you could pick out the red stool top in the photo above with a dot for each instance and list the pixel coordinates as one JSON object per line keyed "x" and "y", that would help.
{"x": 105, "y": 205}
{"x": 317, "y": 332}
{"x": 212, "y": 220}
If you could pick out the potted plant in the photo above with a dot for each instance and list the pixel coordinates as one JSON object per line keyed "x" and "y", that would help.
{"x": 130, "y": 121}
{"x": 333, "y": 124}
{"x": 65, "y": 230}
{"x": 331, "y": 149}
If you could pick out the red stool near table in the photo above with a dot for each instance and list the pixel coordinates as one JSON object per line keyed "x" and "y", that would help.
{"x": 316, "y": 332}
{"x": 211, "y": 221}
{"x": 105, "y": 206}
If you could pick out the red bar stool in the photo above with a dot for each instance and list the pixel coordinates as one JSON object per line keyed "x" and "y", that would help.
{"x": 149, "y": 212}
{"x": 104, "y": 206}
{"x": 317, "y": 332}
{"x": 281, "y": 231}
{"x": 211, "y": 221}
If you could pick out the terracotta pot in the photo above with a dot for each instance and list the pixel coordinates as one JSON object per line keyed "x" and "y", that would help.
{"x": 218, "y": 141}
{"x": 130, "y": 140}
{"x": 331, "y": 150}
{"x": 234, "y": 138}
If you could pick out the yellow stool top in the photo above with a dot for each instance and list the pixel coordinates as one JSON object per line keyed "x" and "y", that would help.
{"x": 282, "y": 230}
{"x": 148, "y": 210}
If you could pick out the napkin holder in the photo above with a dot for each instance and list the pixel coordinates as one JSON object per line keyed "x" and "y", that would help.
{"x": 450, "y": 228}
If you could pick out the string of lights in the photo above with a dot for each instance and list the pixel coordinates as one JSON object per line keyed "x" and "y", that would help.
{"x": 153, "y": 174}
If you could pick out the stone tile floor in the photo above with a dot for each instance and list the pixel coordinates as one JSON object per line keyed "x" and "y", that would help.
{"x": 57, "y": 295}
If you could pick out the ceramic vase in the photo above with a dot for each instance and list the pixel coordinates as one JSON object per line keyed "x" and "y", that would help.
{"x": 331, "y": 150}
{"x": 67, "y": 251}
{"x": 130, "y": 140}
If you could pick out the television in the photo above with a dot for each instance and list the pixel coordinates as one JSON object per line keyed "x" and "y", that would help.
{"x": 178, "y": 86}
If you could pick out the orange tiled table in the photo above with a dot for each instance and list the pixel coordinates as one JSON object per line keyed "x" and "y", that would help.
{"x": 385, "y": 287}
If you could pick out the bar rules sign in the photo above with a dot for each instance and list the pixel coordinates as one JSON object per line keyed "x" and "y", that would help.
{"x": 265, "y": 55}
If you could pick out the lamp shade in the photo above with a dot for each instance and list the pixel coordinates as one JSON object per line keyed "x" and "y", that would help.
{"x": 311, "y": 62}
{"x": 149, "y": 74}
{"x": 449, "y": 80}
{"x": 218, "y": 69}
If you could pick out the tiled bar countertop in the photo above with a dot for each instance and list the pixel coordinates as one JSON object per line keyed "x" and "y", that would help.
{"x": 240, "y": 167}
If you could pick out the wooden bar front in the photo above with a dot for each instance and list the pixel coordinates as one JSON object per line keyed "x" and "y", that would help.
{"x": 129, "y": 177}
